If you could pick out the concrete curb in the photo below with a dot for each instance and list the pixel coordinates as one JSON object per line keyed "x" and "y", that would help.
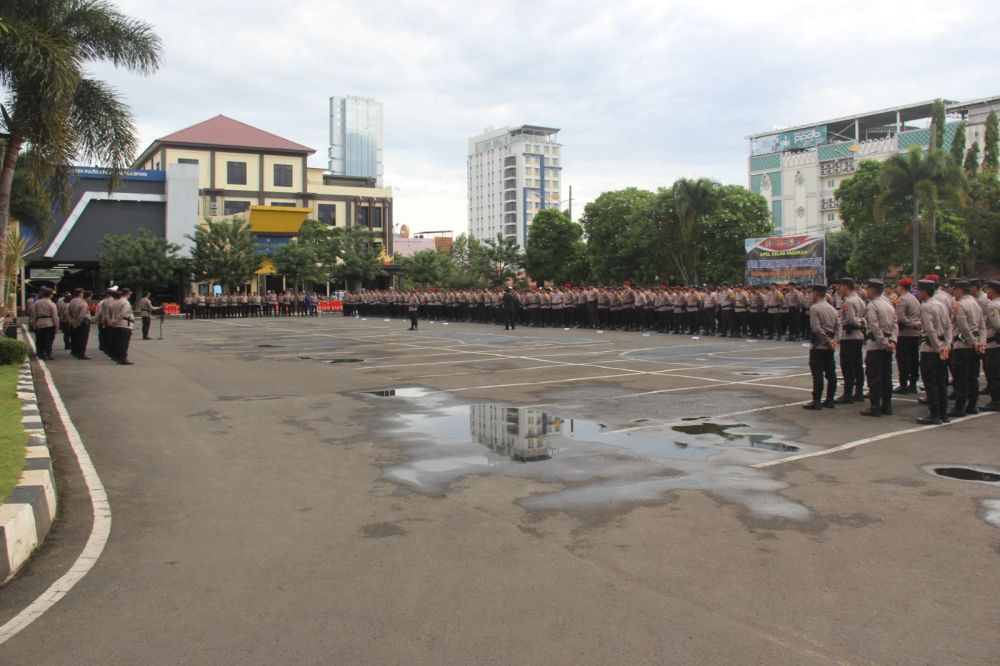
{"x": 25, "y": 517}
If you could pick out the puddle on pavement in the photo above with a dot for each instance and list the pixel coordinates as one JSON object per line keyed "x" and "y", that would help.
{"x": 967, "y": 474}
{"x": 723, "y": 430}
{"x": 599, "y": 466}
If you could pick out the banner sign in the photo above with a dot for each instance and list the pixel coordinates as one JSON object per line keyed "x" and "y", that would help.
{"x": 127, "y": 174}
{"x": 807, "y": 137}
{"x": 800, "y": 259}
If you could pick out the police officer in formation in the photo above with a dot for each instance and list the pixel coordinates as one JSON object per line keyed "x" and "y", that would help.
{"x": 825, "y": 332}
{"x": 113, "y": 316}
{"x": 43, "y": 319}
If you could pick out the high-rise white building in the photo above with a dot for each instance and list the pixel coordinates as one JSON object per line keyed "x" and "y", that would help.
{"x": 356, "y": 137}
{"x": 798, "y": 169}
{"x": 512, "y": 174}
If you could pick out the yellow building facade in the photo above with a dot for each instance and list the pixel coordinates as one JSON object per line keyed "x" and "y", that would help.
{"x": 265, "y": 179}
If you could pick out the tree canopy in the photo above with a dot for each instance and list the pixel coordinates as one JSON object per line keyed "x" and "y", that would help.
{"x": 140, "y": 261}
{"x": 502, "y": 256}
{"x": 555, "y": 250}
{"x": 224, "y": 252}
{"x": 427, "y": 267}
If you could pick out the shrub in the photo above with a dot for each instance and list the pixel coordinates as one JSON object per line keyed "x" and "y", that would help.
{"x": 12, "y": 352}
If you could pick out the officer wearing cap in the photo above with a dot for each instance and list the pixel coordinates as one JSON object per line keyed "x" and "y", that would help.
{"x": 852, "y": 340}
{"x": 43, "y": 318}
{"x": 907, "y": 347}
{"x": 824, "y": 327}
{"x": 970, "y": 341}
{"x": 991, "y": 364}
{"x": 883, "y": 331}
{"x": 122, "y": 321}
{"x": 78, "y": 322}
{"x": 935, "y": 349}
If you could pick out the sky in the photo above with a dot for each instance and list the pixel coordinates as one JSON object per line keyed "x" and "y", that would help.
{"x": 645, "y": 92}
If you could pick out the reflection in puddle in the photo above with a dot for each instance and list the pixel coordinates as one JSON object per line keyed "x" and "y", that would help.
{"x": 723, "y": 430}
{"x": 595, "y": 466}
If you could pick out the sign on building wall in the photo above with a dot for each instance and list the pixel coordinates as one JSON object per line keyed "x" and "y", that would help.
{"x": 800, "y": 259}
{"x": 807, "y": 137}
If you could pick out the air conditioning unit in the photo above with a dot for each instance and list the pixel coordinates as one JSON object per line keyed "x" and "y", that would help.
{"x": 213, "y": 208}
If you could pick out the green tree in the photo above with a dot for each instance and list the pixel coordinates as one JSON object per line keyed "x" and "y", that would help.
{"x": 957, "y": 149}
{"x": 54, "y": 114}
{"x": 878, "y": 239}
{"x": 620, "y": 231}
{"x": 920, "y": 180}
{"x": 739, "y": 214}
{"x": 693, "y": 200}
{"x": 357, "y": 256}
{"x": 140, "y": 261}
{"x": 839, "y": 249}
{"x": 555, "y": 250}
{"x": 224, "y": 252}
{"x": 937, "y": 124}
{"x": 299, "y": 263}
{"x": 502, "y": 256}
{"x": 990, "y": 147}
{"x": 971, "y": 163}
{"x": 425, "y": 268}
{"x": 983, "y": 222}
{"x": 469, "y": 265}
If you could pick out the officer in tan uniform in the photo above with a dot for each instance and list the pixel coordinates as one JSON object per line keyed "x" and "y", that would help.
{"x": 935, "y": 348}
{"x": 880, "y": 321}
{"x": 43, "y": 319}
{"x": 122, "y": 321}
{"x": 969, "y": 343}
{"x": 78, "y": 321}
{"x": 852, "y": 340}
{"x": 824, "y": 326}
{"x": 991, "y": 364}
{"x": 907, "y": 354}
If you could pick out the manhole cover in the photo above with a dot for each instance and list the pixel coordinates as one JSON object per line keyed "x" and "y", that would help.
{"x": 269, "y": 346}
{"x": 967, "y": 474}
{"x": 346, "y": 360}
{"x": 752, "y": 374}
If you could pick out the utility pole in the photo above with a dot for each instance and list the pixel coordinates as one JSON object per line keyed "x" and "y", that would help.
{"x": 570, "y": 202}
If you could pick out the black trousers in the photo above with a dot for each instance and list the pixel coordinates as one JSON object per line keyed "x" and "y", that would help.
{"x": 44, "y": 337}
{"x": 81, "y": 335}
{"x": 509, "y": 318}
{"x": 146, "y": 323}
{"x": 934, "y": 372}
{"x": 965, "y": 373}
{"x": 822, "y": 366}
{"x": 878, "y": 371}
{"x": 852, "y": 366}
{"x": 908, "y": 360}
{"x": 67, "y": 335}
{"x": 991, "y": 365}
{"x": 413, "y": 319}
{"x": 122, "y": 338}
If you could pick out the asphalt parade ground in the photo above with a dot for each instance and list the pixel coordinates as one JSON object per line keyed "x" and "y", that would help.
{"x": 332, "y": 490}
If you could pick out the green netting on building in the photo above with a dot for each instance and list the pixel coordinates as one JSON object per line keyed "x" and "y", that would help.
{"x": 949, "y": 134}
{"x": 920, "y": 137}
{"x": 835, "y": 151}
{"x": 775, "y": 183}
{"x": 755, "y": 181}
{"x": 762, "y": 162}
{"x": 776, "y": 213}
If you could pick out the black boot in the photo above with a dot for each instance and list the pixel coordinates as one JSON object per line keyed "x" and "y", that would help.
{"x": 814, "y": 406}
{"x": 845, "y": 399}
{"x": 872, "y": 411}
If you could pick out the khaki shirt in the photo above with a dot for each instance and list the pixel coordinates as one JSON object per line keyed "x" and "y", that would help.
{"x": 936, "y": 324}
{"x": 120, "y": 314}
{"x": 970, "y": 326}
{"x": 880, "y": 318}
{"x": 854, "y": 318}
{"x": 908, "y": 315}
{"x": 77, "y": 310}
{"x": 993, "y": 324}
{"x": 43, "y": 314}
{"x": 824, "y": 322}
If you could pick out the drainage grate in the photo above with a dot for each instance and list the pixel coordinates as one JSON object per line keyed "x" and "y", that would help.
{"x": 967, "y": 474}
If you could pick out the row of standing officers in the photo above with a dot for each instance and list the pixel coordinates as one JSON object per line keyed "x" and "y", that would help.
{"x": 943, "y": 329}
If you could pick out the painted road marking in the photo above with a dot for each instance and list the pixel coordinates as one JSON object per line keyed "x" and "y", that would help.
{"x": 99, "y": 531}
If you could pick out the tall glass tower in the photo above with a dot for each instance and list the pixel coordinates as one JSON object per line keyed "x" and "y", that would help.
{"x": 356, "y": 137}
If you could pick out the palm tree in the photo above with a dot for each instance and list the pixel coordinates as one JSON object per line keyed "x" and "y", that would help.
{"x": 921, "y": 180}
{"x": 54, "y": 114}
{"x": 693, "y": 199}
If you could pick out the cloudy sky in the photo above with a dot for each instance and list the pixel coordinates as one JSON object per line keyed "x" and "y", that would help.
{"x": 644, "y": 91}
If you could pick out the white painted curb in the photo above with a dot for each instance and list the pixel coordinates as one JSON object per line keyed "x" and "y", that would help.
{"x": 27, "y": 514}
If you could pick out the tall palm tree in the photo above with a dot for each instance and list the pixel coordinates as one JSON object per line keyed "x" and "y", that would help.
{"x": 693, "y": 199}
{"x": 53, "y": 114}
{"x": 921, "y": 180}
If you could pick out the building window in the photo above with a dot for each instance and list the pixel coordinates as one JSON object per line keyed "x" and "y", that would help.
{"x": 830, "y": 217}
{"x": 286, "y": 204}
{"x": 831, "y": 183}
{"x": 235, "y": 207}
{"x": 282, "y": 175}
{"x": 236, "y": 173}
{"x": 186, "y": 160}
{"x": 327, "y": 214}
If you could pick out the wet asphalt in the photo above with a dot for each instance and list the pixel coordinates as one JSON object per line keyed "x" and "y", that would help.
{"x": 541, "y": 496}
